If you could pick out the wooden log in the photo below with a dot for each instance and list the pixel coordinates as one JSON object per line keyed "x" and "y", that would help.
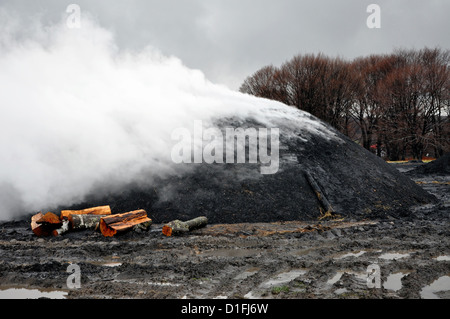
{"x": 177, "y": 227}
{"x": 100, "y": 210}
{"x": 49, "y": 219}
{"x": 44, "y": 225}
{"x": 113, "y": 224}
{"x": 81, "y": 222}
{"x": 39, "y": 229}
{"x": 320, "y": 196}
{"x": 62, "y": 230}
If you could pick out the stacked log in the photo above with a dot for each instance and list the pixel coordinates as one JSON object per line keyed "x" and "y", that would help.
{"x": 100, "y": 210}
{"x": 114, "y": 224}
{"x": 50, "y": 224}
{"x": 100, "y": 218}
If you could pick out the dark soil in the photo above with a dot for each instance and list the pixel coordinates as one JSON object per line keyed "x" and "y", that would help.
{"x": 298, "y": 259}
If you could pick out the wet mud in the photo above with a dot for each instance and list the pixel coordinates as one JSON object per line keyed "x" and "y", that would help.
{"x": 318, "y": 259}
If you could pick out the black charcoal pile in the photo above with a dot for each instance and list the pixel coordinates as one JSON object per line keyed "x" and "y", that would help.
{"x": 354, "y": 182}
{"x": 441, "y": 166}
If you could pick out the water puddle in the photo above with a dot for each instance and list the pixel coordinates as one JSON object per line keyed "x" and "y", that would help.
{"x": 25, "y": 293}
{"x": 394, "y": 281}
{"x": 231, "y": 252}
{"x": 438, "y": 287}
{"x": 112, "y": 264}
{"x": 106, "y": 263}
{"x": 163, "y": 284}
{"x": 150, "y": 283}
{"x": 340, "y": 291}
{"x": 277, "y": 280}
{"x": 338, "y": 275}
{"x": 393, "y": 256}
{"x": 442, "y": 258}
{"x": 356, "y": 254}
{"x": 248, "y": 273}
{"x": 282, "y": 278}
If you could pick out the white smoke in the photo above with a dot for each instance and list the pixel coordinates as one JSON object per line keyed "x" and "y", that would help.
{"x": 77, "y": 111}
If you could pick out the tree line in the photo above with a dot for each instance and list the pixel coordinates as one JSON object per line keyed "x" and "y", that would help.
{"x": 396, "y": 105}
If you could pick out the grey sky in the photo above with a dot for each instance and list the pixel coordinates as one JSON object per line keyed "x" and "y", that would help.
{"x": 230, "y": 39}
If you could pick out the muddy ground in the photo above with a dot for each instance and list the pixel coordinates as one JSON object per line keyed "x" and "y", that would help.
{"x": 314, "y": 259}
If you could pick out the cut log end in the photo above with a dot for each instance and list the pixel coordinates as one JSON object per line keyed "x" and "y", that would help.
{"x": 38, "y": 229}
{"x": 167, "y": 230}
{"x": 49, "y": 218}
{"x": 105, "y": 230}
{"x": 44, "y": 225}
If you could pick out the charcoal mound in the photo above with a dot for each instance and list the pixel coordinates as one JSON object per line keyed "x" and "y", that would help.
{"x": 356, "y": 183}
{"x": 441, "y": 166}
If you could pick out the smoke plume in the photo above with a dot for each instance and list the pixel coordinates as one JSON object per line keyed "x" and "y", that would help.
{"x": 78, "y": 112}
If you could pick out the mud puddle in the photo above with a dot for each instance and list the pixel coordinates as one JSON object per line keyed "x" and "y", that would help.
{"x": 25, "y": 293}
{"x": 275, "y": 284}
{"x": 394, "y": 281}
{"x": 394, "y": 256}
{"x": 440, "y": 288}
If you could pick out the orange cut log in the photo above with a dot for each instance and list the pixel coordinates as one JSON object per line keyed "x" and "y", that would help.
{"x": 44, "y": 225}
{"x": 100, "y": 210}
{"x": 38, "y": 229}
{"x": 111, "y": 225}
{"x": 49, "y": 219}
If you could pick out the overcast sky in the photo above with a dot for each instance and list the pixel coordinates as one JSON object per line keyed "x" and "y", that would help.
{"x": 231, "y": 39}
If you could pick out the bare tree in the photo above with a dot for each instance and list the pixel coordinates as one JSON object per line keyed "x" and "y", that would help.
{"x": 400, "y": 100}
{"x": 261, "y": 83}
{"x": 436, "y": 79}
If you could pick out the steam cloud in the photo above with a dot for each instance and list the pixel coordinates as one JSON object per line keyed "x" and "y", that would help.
{"x": 76, "y": 112}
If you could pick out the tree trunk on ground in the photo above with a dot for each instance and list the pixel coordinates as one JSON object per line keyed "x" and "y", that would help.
{"x": 178, "y": 227}
{"x": 320, "y": 196}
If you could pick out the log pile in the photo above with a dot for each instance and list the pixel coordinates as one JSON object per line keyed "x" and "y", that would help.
{"x": 102, "y": 219}
{"x": 95, "y": 218}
